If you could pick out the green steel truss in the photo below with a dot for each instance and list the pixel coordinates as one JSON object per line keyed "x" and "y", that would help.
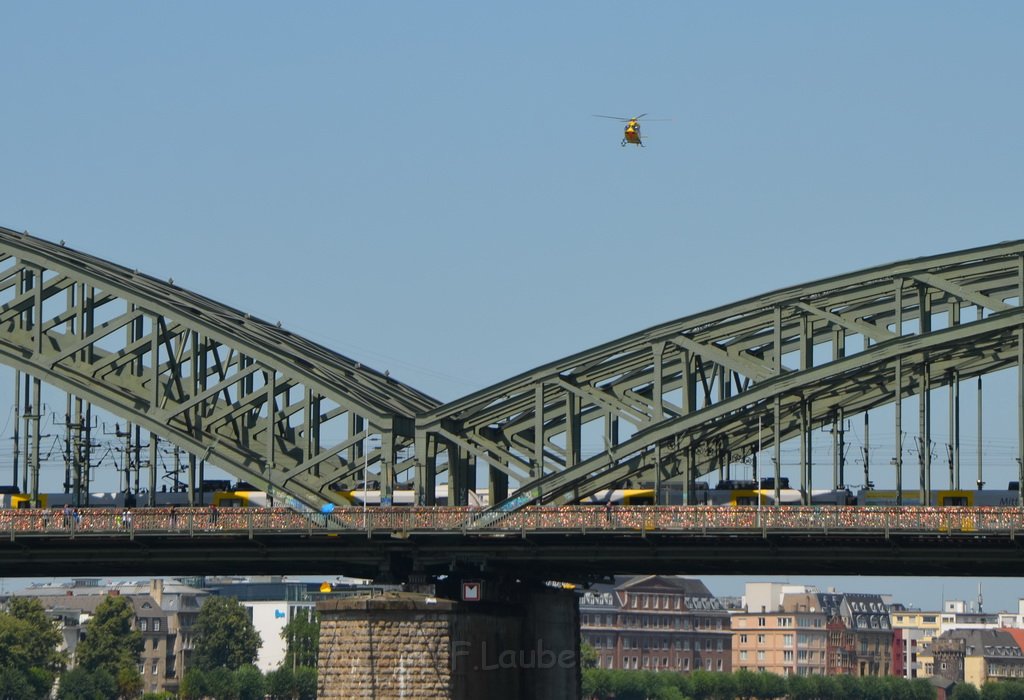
{"x": 685, "y": 398}
{"x": 673, "y": 402}
{"x": 268, "y": 406}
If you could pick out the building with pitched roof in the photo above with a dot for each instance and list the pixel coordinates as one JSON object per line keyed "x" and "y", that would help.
{"x": 164, "y": 613}
{"x": 977, "y": 656}
{"x": 657, "y": 623}
{"x": 860, "y": 634}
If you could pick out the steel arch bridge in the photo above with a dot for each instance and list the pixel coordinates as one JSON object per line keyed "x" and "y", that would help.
{"x": 667, "y": 405}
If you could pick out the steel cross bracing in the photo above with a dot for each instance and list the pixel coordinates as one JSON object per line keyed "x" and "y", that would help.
{"x": 676, "y": 401}
{"x": 275, "y": 409}
{"x": 685, "y": 397}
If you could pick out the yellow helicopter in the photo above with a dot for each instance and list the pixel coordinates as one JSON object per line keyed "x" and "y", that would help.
{"x": 632, "y": 134}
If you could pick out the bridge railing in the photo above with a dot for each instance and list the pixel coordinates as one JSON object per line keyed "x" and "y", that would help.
{"x": 582, "y": 519}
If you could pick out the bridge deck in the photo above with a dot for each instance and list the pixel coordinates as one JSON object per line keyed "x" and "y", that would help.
{"x": 565, "y": 543}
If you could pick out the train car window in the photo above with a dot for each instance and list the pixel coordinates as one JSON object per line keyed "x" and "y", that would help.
{"x": 954, "y": 501}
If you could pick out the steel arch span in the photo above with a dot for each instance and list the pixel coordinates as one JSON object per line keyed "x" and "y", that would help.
{"x": 690, "y": 396}
{"x": 270, "y": 407}
{"x": 666, "y": 405}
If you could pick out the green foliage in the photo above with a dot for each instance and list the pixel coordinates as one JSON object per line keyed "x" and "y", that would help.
{"x": 281, "y": 683}
{"x": 302, "y": 635}
{"x": 112, "y": 646}
{"x": 597, "y": 682}
{"x": 28, "y": 650}
{"x": 606, "y": 684}
{"x": 14, "y": 683}
{"x": 220, "y": 683}
{"x": 82, "y": 684}
{"x": 702, "y": 684}
{"x": 193, "y": 685}
{"x": 771, "y": 686}
{"x": 965, "y": 691}
{"x": 224, "y": 637}
{"x": 588, "y": 656}
{"x": 306, "y": 682}
{"x": 1003, "y": 690}
{"x": 250, "y": 683}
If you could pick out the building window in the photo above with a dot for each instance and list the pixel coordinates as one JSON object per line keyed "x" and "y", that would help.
{"x": 156, "y": 668}
{"x": 156, "y": 625}
{"x": 144, "y": 624}
{"x": 761, "y": 622}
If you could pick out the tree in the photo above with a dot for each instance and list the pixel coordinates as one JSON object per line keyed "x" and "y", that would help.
{"x": 747, "y": 683}
{"x": 220, "y": 683}
{"x": 111, "y": 645}
{"x": 771, "y": 686}
{"x": 588, "y": 656}
{"x": 250, "y": 683}
{"x": 15, "y": 684}
{"x": 302, "y": 636}
{"x": 81, "y": 684}
{"x": 725, "y": 686}
{"x": 224, "y": 636}
{"x": 193, "y": 685}
{"x": 597, "y": 683}
{"x": 306, "y": 682}
{"x": 702, "y": 684}
{"x": 965, "y": 691}
{"x": 28, "y": 650}
{"x": 281, "y": 683}
{"x": 921, "y": 689}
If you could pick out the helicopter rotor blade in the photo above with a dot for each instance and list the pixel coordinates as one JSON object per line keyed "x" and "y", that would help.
{"x": 605, "y": 116}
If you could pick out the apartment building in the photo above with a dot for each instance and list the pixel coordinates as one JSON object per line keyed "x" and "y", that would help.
{"x": 790, "y": 639}
{"x": 656, "y": 623}
{"x": 860, "y": 634}
{"x": 913, "y": 631}
{"x": 795, "y": 630}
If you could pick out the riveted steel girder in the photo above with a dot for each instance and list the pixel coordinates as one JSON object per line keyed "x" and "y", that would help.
{"x": 268, "y": 406}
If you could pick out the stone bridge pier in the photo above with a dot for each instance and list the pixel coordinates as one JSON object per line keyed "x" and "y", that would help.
{"x": 499, "y": 641}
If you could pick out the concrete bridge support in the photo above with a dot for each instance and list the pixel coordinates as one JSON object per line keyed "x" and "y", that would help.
{"x": 516, "y": 642}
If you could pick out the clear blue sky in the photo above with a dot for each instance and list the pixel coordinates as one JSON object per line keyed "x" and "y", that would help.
{"x": 422, "y": 187}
